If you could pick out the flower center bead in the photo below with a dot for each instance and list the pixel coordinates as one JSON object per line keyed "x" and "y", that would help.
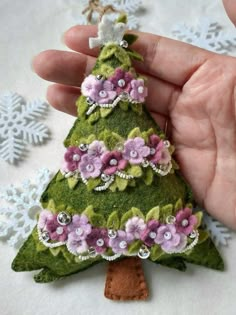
{"x": 184, "y": 223}
{"x": 152, "y": 151}
{"x": 89, "y": 167}
{"x": 140, "y": 89}
{"x": 113, "y": 162}
{"x": 123, "y": 244}
{"x": 167, "y": 235}
{"x": 100, "y": 242}
{"x": 103, "y": 93}
{"x": 121, "y": 83}
{"x": 152, "y": 235}
{"x": 133, "y": 153}
{"x": 76, "y": 157}
{"x": 59, "y": 230}
{"x": 79, "y": 231}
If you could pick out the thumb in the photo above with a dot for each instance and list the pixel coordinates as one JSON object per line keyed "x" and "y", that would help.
{"x": 230, "y": 8}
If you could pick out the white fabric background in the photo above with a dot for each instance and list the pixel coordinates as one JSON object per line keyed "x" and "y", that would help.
{"x": 26, "y": 28}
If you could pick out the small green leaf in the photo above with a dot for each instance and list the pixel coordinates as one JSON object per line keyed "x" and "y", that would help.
{"x": 148, "y": 176}
{"x": 124, "y": 105}
{"x": 134, "y": 133}
{"x": 90, "y": 139}
{"x": 107, "y": 52}
{"x": 113, "y": 221}
{"x": 105, "y": 112}
{"x": 166, "y": 211}
{"x": 121, "y": 183}
{"x": 97, "y": 220}
{"x": 130, "y": 38}
{"x": 55, "y": 251}
{"x": 134, "y": 55}
{"x": 40, "y": 247}
{"x": 68, "y": 256}
{"x": 156, "y": 252}
{"x": 203, "y": 236}
{"x": 92, "y": 183}
{"x": 137, "y": 108}
{"x": 153, "y": 214}
{"x": 60, "y": 176}
{"x": 137, "y": 213}
{"x": 199, "y": 216}
{"x": 147, "y": 134}
{"x": 178, "y": 205}
{"x": 171, "y": 149}
{"x": 132, "y": 183}
{"x": 72, "y": 182}
{"x": 113, "y": 186}
{"x": 175, "y": 165}
{"x": 94, "y": 117}
{"x": 135, "y": 171}
{"x": 134, "y": 247}
{"x": 88, "y": 211}
{"x": 125, "y": 217}
{"x": 51, "y": 205}
{"x": 82, "y": 106}
{"x": 122, "y": 18}
{"x": 123, "y": 57}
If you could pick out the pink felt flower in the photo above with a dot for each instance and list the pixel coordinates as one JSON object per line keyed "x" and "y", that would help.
{"x": 185, "y": 221}
{"x": 121, "y": 80}
{"x": 90, "y": 166}
{"x": 134, "y": 227}
{"x": 169, "y": 239}
{"x": 57, "y": 232}
{"x": 150, "y": 233}
{"x": 120, "y": 243}
{"x": 98, "y": 239}
{"x": 79, "y": 227}
{"x": 135, "y": 150}
{"x": 75, "y": 245}
{"x": 158, "y": 151}
{"x": 97, "y": 148}
{"x": 99, "y": 91}
{"x": 112, "y": 162}
{"x": 44, "y": 217}
{"x": 138, "y": 90}
{"x": 72, "y": 158}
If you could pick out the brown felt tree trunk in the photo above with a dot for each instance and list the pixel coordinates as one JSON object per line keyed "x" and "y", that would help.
{"x": 125, "y": 280}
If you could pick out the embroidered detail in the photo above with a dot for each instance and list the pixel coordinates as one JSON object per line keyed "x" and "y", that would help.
{"x": 135, "y": 237}
{"x": 95, "y": 162}
{"x": 121, "y": 86}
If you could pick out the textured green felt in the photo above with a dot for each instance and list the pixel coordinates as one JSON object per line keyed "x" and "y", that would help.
{"x": 75, "y": 197}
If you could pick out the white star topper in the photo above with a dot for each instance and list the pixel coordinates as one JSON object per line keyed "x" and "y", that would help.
{"x": 108, "y": 32}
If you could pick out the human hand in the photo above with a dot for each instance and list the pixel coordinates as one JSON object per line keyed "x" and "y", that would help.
{"x": 194, "y": 89}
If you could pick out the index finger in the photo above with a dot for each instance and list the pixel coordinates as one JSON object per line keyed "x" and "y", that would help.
{"x": 165, "y": 58}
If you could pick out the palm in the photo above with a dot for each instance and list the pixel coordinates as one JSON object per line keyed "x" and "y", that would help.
{"x": 192, "y": 88}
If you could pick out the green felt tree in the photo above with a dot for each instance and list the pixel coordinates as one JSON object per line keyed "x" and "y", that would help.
{"x": 119, "y": 196}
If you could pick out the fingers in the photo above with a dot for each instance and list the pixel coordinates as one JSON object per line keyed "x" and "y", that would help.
{"x": 63, "y": 98}
{"x": 230, "y": 8}
{"x": 165, "y": 58}
{"x": 63, "y": 67}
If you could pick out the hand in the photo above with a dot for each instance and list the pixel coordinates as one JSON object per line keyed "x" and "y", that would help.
{"x": 194, "y": 89}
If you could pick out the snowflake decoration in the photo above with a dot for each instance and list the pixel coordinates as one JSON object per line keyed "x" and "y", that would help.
{"x": 19, "y": 125}
{"x": 208, "y": 35}
{"x": 18, "y": 216}
{"x": 219, "y": 233}
{"x": 130, "y": 7}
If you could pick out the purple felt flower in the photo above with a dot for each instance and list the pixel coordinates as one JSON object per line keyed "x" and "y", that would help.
{"x": 100, "y": 91}
{"x": 98, "y": 239}
{"x": 112, "y": 162}
{"x": 134, "y": 227}
{"x": 120, "y": 243}
{"x": 169, "y": 239}
{"x": 97, "y": 148}
{"x": 79, "y": 227}
{"x": 44, "y": 217}
{"x": 138, "y": 90}
{"x": 75, "y": 245}
{"x": 72, "y": 158}
{"x": 90, "y": 166}
{"x": 158, "y": 151}
{"x": 57, "y": 232}
{"x": 185, "y": 221}
{"x": 135, "y": 150}
{"x": 150, "y": 233}
{"x": 121, "y": 80}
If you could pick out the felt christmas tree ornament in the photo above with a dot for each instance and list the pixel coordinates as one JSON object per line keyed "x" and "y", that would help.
{"x": 119, "y": 195}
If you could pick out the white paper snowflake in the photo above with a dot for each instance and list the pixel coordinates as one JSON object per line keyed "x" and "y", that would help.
{"x": 130, "y": 7}
{"x": 220, "y": 234}
{"x": 21, "y": 205}
{"x": 208, "y": 35}
{"x": 19, "y": 125}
